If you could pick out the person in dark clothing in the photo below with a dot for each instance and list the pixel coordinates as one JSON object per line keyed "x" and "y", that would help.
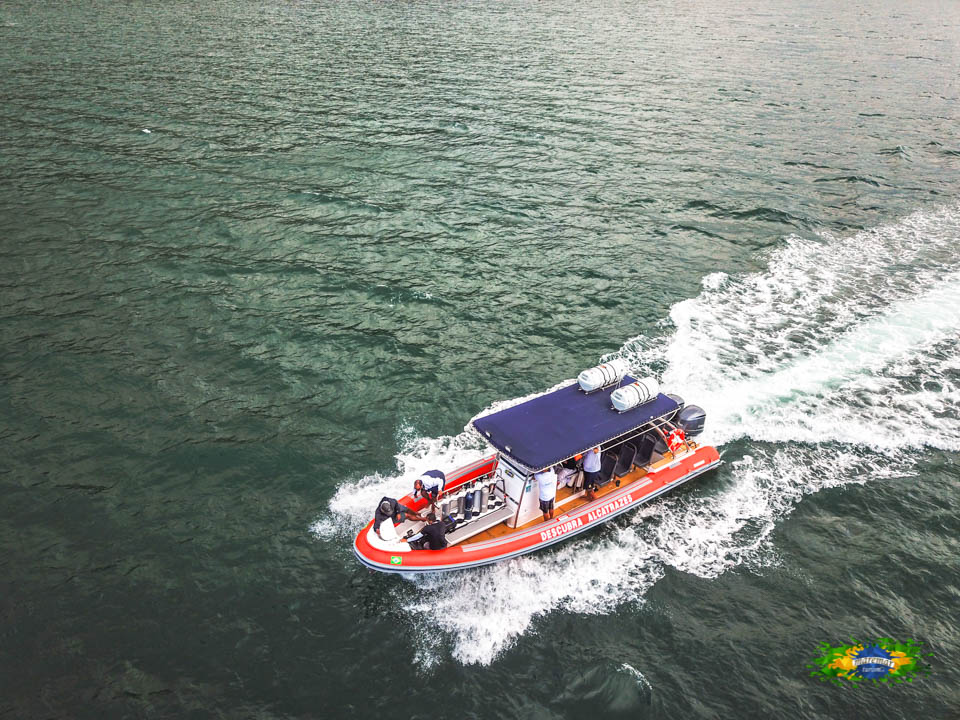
{"x": 434, "y": 532}
{"x": 390, "y": 508}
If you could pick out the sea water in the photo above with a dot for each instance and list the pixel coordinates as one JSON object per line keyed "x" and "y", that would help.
{"x": 262, "y": 264}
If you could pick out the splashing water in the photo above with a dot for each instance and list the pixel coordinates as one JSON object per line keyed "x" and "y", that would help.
{"x": 633, "y": 672}
{"x": 842, "y": 339}
{"x": 827, "y": 366}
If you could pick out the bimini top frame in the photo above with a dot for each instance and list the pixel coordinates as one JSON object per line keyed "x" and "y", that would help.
{"x": 550, "y": 428}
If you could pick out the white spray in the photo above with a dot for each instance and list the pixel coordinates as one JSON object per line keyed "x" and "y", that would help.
{"x": 843, "y": 353}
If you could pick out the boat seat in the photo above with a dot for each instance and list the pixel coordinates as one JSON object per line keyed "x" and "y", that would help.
{"x": 388, "y": 530}
{"x": 645, "y": 449}
{"x": 607, "y": 465}
{"x": 628, "y": 451}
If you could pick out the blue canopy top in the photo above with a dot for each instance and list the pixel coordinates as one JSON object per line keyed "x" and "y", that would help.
{"x": 553, "y": 427}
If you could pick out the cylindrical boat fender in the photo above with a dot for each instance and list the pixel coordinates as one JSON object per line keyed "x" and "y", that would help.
{"x": 444, "y": 509}
{"x": 634, "y": 394}
{"x": 602, "y": 375}
{"x": 484, "y": 498}
{"x": 468, "y": 506}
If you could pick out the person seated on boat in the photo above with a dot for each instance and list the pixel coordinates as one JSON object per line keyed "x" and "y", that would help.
{"x": 434, "y": 532}
{"x": 431, "y": 484}
{"x": 591, "y": 471}
{"x": 390, "y": 508}
{"x": 566, "y": 473}
{"x": 547, "y": 485}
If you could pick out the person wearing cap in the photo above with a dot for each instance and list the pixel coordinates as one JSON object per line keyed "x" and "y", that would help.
{"x": 390, "y": 508}
{"x": 547, "y": 485}
{"x": 434, "y": 532}
{"x": 431, "y": 484}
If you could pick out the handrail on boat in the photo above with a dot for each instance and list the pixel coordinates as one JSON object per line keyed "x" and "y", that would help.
{"x": 516, "y": 515}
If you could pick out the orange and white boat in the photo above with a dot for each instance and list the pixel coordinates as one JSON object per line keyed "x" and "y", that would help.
{"x": 493, "y": 504}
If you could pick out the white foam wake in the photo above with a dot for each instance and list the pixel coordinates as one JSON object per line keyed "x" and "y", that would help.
{"x": 842, "y": 339}
{"x": 824, "y": 367}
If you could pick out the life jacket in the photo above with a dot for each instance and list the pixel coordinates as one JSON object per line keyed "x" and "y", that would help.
{"x": 676, "y": 439}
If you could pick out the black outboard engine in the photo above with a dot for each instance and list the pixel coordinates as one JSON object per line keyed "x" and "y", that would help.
{"x": 679, "y": 401}
{"x": 691, "y": 420}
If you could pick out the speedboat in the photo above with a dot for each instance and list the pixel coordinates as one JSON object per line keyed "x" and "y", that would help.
{"x": 491, "y": 507}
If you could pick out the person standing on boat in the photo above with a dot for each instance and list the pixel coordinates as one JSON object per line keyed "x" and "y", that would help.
{"x": 591, "y": 471}
{"x": 431, "y": 484}
{"x": 390, "y": 508}
{"x": 547, "y": 485}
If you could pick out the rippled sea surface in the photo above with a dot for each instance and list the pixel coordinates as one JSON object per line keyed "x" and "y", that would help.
{"x": 261, "y": 263}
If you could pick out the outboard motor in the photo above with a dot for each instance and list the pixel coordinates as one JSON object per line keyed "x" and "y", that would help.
{"x": 679, "y": 401}
{"x": 691, "y": 420}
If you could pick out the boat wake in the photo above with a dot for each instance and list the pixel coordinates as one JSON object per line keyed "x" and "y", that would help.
{"x": 822, "y": 370}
